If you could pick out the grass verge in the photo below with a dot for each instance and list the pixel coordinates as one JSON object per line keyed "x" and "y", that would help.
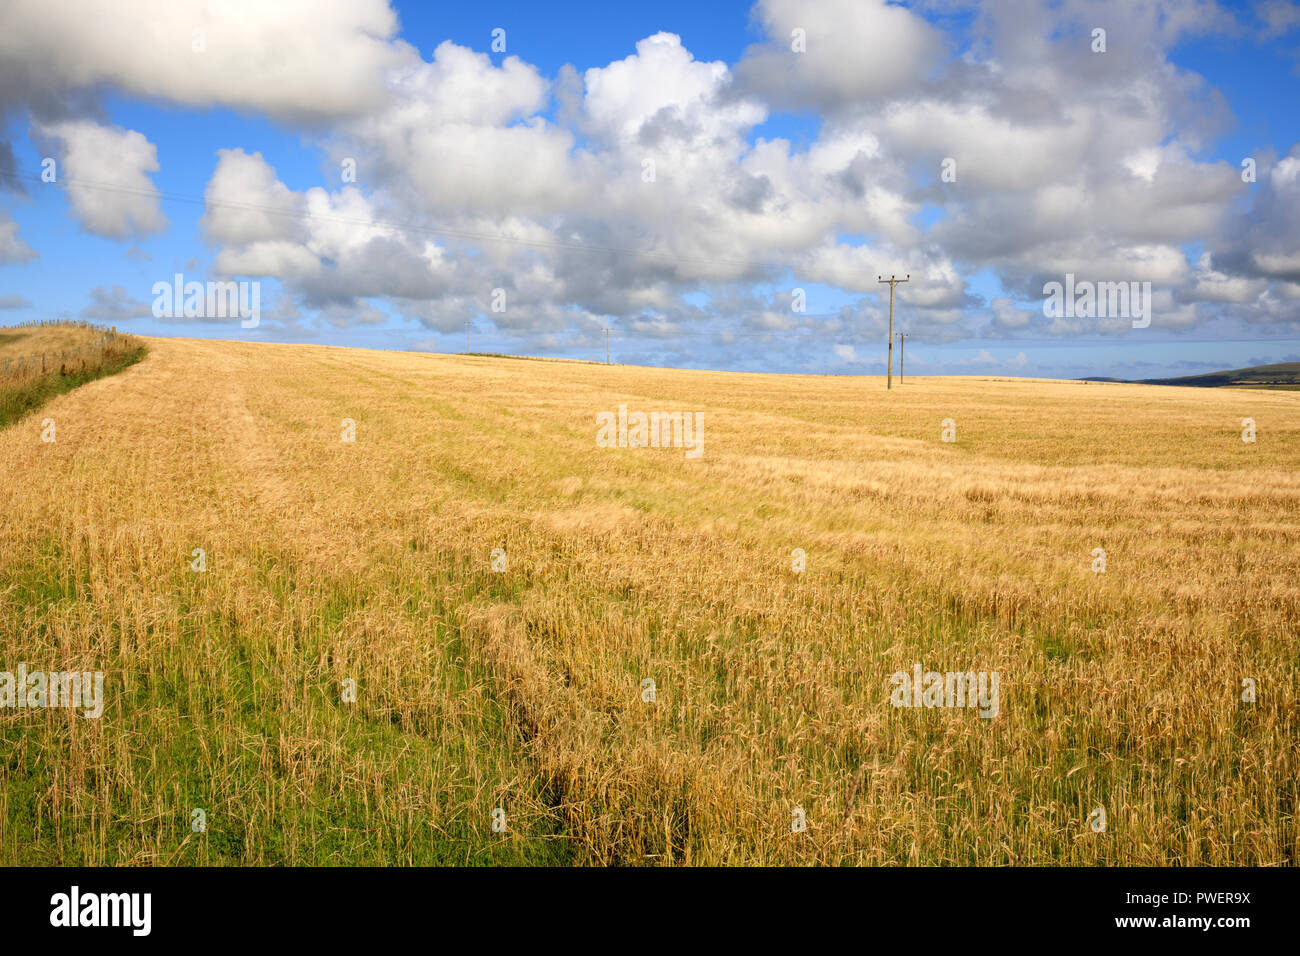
{"x": 17, "y": 399}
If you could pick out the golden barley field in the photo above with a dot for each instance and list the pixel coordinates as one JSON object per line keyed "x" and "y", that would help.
{"x": 368, "y": 564}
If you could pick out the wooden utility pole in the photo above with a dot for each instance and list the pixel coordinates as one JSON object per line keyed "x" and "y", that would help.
{"x": 901, "y": 337}
{"x": 889, "y": 381}
{"x": 607, "y": 345}
{"x": 467, "y": 338}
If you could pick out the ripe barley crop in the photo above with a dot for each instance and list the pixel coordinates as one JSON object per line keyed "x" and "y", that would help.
{"x": 282, "y": 560}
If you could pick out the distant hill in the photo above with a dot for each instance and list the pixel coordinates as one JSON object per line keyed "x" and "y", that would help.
{"x": 1284, "y": 375}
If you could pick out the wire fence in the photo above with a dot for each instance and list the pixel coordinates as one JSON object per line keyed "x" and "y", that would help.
{"x": 100, "y": 344}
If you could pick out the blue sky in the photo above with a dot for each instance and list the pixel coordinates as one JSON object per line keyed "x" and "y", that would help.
{"x": 862, "y": 118}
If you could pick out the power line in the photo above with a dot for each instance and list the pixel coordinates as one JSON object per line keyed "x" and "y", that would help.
{"x": 889, "y": 382}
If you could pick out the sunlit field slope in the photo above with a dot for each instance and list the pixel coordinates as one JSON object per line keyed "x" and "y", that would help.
{"x": 39, "y": 361}
{"x": 228, "y": 674}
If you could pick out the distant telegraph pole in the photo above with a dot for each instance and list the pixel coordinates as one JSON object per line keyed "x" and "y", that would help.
{"x": 467, "y": 338}
{"x": 901, "y": 337}
{"x": 607, "y": 345}
{"x": 889, "y": 382}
